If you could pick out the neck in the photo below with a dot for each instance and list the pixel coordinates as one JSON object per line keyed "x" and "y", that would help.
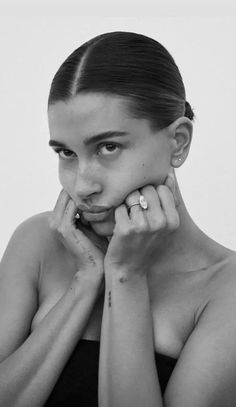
{"x": 187, "y": 248}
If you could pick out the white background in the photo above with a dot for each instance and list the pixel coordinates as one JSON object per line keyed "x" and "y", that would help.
{"x": 35, "y": 38}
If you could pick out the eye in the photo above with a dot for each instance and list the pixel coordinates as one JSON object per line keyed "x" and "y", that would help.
{"x": 108, "y": 148}
{"x": 64, "y": 154}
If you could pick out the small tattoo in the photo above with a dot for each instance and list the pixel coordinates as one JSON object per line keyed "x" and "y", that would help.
{"x": 91, "y": 258}
{"x": 109, "y": 299}
{"x": 122, "y": 279}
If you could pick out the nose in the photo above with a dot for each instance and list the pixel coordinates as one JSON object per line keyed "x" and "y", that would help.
{"x": 86, "y": 185}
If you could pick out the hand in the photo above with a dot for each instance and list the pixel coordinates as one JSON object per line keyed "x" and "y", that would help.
{"x": 80, "y": 240}
{"x": 139, "y": 232}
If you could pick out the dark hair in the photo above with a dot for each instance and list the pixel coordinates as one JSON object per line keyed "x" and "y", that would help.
{"x": 130, "y": 65}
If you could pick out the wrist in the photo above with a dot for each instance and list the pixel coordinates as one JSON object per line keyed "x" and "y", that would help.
{"x": 88, "y": 282}
{"x": 124, "y": 274}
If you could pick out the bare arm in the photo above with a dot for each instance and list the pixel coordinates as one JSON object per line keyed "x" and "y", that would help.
{"x": 130, "y": 377}
{"x": 31, "y": 364}
{"x": 205, "y": 374}
{"x": 127, "y": 374}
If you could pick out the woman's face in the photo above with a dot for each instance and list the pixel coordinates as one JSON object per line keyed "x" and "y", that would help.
{"x": 102, "y": 170}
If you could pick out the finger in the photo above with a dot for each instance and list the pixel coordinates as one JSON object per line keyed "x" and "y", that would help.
{"x": 171, "y": 183}
{"x": 62, "y": 199}
{"x": 68, "y": 227}
{"x": 153, "y": 213}
{"x": 76, "y": 237}
{"x": 168, "y": 206}
{"x": 135, "y": 211}
{"x": 132, "y": 198}
{"x": 68, "y": 217}
{"x": 122, "y": 220}
{"x": 60, "y": 206}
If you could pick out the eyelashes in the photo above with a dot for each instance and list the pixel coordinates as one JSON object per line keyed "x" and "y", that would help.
{"x": 59, "y": 151}
{"x": 103, "y": 149}
{"x": 111, "y": 145}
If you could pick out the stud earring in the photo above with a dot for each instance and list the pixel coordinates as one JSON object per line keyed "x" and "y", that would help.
{"x": 178, "y": 160}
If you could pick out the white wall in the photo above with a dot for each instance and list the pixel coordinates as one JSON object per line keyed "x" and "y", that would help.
{"x": 35, "y": 41}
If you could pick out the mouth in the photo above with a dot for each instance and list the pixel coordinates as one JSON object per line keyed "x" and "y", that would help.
{"x": 96, "y": 216}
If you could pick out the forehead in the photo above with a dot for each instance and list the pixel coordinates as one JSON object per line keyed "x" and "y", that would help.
{"x": 90, "y": 113}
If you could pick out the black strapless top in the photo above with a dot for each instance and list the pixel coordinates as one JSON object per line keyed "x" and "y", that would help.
{"x": 78, "y": 383}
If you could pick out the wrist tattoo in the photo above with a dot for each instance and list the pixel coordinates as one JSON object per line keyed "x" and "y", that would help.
{"x": 109, "y": 299}
{"x": 123, "y": 279}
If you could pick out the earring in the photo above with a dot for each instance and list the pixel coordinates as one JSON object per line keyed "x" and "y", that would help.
{"x": 178, "y": 160}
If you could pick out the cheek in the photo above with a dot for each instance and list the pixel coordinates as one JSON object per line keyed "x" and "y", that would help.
{"x": 65, "y": 178}
{"x": 132, "y": 179}
{"x": 154, "y": 172}
{"x": 146, "y": 173}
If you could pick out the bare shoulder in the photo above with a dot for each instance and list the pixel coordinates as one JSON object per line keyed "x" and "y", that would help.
{"x": 223, "y": 281}
{"x": 20, "y": 271}
{"x": 37, "y": 232}
{"x": 37, "y": 223}
{"x": 210, "y": 348}
{"x": 30, "y": 243}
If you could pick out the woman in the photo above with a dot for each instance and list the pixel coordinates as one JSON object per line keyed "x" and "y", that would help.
{"x": 116, "y": 297}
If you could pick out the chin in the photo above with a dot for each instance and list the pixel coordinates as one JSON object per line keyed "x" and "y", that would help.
{"x": 103, "y": 228}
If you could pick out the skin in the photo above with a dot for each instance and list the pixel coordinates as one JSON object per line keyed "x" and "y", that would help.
{"x": 177, "y": 284}
{"x": 102, "y": 179}
{"x": 143, "y": 246}
{"x": 98, "y": 175}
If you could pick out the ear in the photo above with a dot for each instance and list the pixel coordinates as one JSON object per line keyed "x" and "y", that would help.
{"x": 180, "y": 132}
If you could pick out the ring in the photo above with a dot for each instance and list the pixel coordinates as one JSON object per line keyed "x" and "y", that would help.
{"x": 143, "y": 202}
{"x": 136, "y": 203}
{"x": 77, "y": 216}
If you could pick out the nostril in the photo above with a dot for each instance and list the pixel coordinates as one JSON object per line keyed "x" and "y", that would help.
{"x": 84, "y": 190}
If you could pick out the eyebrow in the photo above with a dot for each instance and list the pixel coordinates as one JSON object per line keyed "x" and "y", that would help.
{"x": 93, "y": 139}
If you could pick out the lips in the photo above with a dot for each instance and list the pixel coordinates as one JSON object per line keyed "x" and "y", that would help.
{"x": 96, "y": 216}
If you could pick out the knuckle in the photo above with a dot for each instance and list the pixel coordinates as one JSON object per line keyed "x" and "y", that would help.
{"x": 174, "y": 222}
{"x": 147, "y": 189}
{"x": 161, "y": 222}
{"x": 129, "y": 231}
{"x": 140, "y": 228}
{"x": 126, "y": 232}
{"x": 63, "y": 230}
{"x": 154, "y": 226}
{"x": 60, "y": 230}
{"x": 162, "y": 189}
{"x": 134, "y": 229}
{"x": 122, "y": 230}
{"x": 132, "y": 198}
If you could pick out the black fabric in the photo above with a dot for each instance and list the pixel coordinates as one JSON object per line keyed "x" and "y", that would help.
{"x": 78, "y": 382}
